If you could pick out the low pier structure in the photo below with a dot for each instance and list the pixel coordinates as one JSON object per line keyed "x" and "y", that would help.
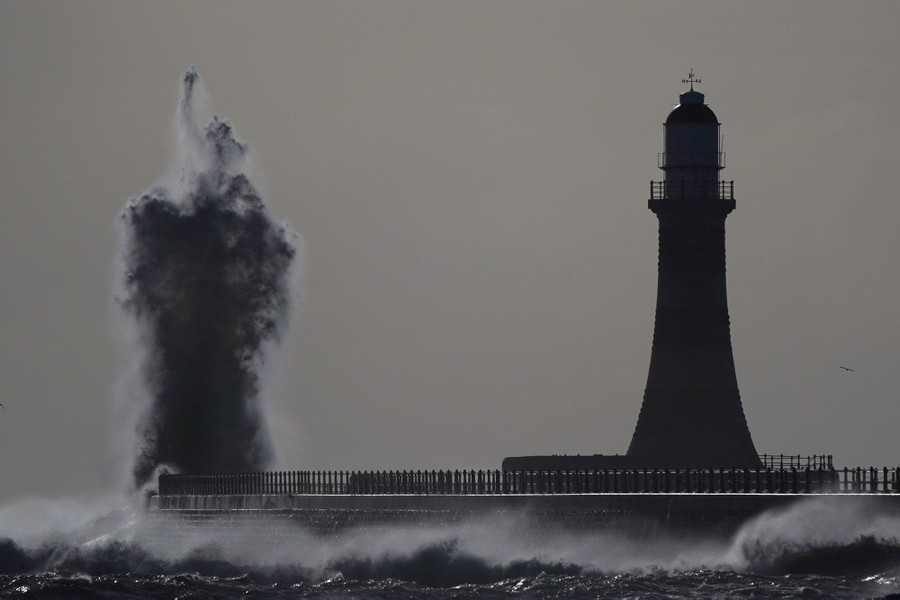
{"x": 645, "y": 501}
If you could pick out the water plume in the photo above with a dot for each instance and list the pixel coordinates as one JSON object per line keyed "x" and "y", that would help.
{"x": 207, "y": 284}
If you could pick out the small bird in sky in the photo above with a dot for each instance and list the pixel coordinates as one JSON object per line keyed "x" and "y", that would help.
{"x": 847, "y": 368}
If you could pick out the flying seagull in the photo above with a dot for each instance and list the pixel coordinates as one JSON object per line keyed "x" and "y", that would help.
{"x": 847, "y": 368}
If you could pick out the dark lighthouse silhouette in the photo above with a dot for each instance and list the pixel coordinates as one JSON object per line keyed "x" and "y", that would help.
{"x": 691, "y": 414}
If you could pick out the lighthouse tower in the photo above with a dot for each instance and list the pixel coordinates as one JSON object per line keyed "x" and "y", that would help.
{"x": 691, "y": 415}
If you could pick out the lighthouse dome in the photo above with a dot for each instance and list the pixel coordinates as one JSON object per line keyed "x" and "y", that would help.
{"x": 691, "y": 110}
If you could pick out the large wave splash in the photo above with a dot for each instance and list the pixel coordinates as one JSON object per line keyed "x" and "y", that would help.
{"x": 781, "y": 553}
{"x": 207, "y": 282}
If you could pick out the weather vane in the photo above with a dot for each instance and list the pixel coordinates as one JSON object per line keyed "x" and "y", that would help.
{"x": 691, "y": 80}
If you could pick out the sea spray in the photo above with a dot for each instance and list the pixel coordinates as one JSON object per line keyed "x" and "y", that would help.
{"x": 817, "y": 528}
{"x": 66, "y": 549}
{"x": 207, "y": 284}
{"x": 483, "y": 554}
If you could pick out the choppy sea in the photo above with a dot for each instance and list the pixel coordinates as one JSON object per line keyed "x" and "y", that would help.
{"x": 689, "y": 584}
{"x": 86, "y": 550}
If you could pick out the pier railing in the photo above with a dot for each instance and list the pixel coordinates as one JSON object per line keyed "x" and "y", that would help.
{"x": 797, "y": 461}
{"x": 470, "y": 482}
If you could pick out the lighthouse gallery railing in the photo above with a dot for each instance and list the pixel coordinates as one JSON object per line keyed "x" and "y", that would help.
{"x": 690, "y": 190}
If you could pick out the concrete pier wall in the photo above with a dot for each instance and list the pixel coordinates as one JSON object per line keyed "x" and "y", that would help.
{"x": 633, "y": 513}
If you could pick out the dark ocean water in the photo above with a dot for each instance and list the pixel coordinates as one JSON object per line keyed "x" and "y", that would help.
{"x": 813, "y": 549}
{"x": 701, "y": 583}
{"x": 657, "y": 584}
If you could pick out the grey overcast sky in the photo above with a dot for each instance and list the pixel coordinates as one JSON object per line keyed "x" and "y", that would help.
{"x": 471, "y": 180}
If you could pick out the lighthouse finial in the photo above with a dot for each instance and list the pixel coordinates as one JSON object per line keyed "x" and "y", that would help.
{"x": 691, "y": 80}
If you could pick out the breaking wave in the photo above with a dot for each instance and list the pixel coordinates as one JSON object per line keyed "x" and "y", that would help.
{"x": 135, "y": 554}
{"x": 207, "y": 285}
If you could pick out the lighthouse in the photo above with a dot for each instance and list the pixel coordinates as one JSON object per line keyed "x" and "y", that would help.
{"x": 691, "y": 414}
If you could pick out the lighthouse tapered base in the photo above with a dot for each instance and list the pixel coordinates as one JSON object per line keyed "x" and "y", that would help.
{"x": 693, "y": 428}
